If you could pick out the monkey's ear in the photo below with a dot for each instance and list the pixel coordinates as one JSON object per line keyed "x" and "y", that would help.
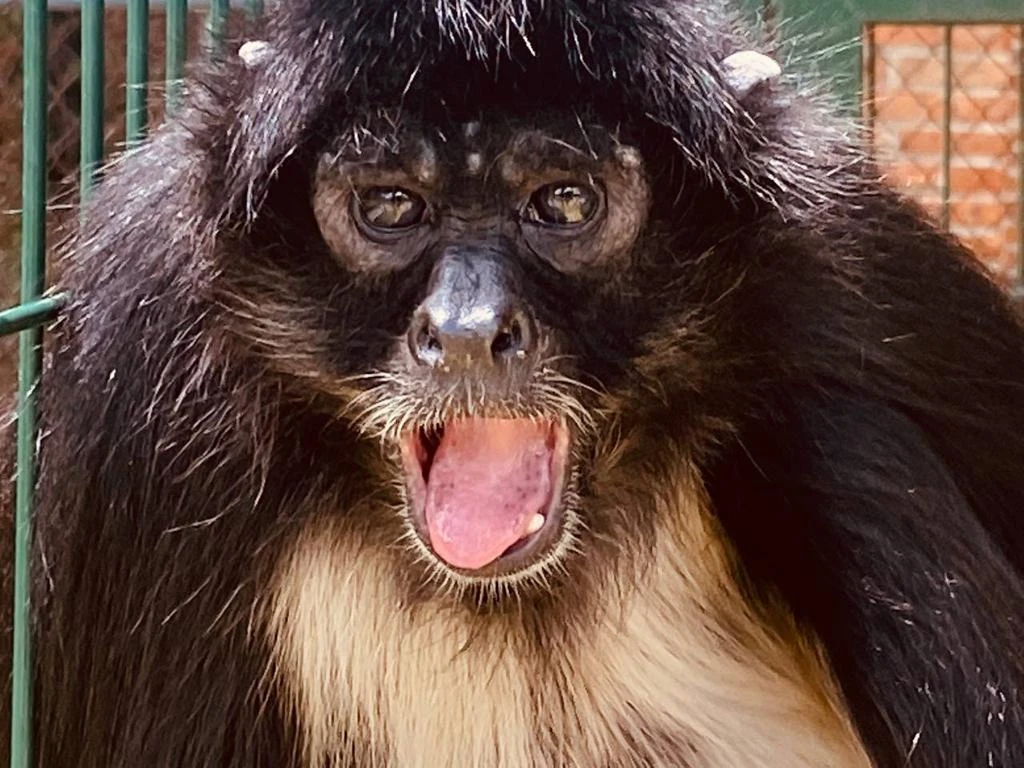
{"x": 745, "y": 71}
{"x": 255, "y": 52}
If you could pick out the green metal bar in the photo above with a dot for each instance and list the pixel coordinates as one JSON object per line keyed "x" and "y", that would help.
{"x": 253, "y": 9}
{"x": 947, "y": 120}
{"x": 33, "y": 249}
{"x": 92, "y": 93}
{"x": 137, "y": 70}
{"x": 29, "y": 315}
{"x": 217, "y": 23}
{"x": 177, "y": 36}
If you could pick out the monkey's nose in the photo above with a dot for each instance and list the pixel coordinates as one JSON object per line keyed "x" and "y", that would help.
{"x": 481, "y": 335}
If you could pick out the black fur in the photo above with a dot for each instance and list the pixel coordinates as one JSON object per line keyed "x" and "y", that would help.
{"x": 848, "y": 380}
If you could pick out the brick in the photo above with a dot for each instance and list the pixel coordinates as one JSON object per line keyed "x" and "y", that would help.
{"x": 967, "y": 180}
{"x": 910, "y": 108}
{"x": 904, "y": 173}
{"x": 971, "y": 143}
{"x": 883, "y": 75}
{"x": 908, "y": 34}
{"x": 1004, "y": 269}
{"x": 989, "y": 248}
{"x": 921, "y": 141}
{"x": 987, "y": 144}
{"x": 886, "y": 142}
{"x": 984, "y": 109}
{"x": 984, "y": 38}
{"x": 931, "y": 206}
{"x": 982, "y": 73}
{"x": 919, "y": 72}
{"x": 1002, "y": 264}
{"x": 980, "y": 214}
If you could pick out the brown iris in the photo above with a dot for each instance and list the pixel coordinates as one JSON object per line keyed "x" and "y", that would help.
{"x": 563, "y": 204}
{"x": 389, "y": 209}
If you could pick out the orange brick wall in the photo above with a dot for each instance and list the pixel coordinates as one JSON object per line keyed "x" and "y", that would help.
{"x": 905, "y": 73}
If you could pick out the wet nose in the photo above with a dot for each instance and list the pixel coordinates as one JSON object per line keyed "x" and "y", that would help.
{"x": 471, "y": 318}
{"x": 482, "y": 334}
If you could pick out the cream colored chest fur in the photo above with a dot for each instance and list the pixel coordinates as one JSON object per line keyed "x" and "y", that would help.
{"x": 679, "y": 675}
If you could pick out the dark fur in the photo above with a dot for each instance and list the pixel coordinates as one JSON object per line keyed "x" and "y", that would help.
{"x": 848, "y": 380}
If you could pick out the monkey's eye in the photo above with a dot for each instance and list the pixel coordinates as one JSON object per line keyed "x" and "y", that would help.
{"x": 563, "y": 204}
{"x": 389, "y": 209}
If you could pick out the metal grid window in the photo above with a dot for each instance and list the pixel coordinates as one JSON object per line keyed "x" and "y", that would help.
{"x": 45, "y": 90}
{"x": 943, "y": 102}
{"x": 66, "y": 130}
{"x": 69, "y": 120}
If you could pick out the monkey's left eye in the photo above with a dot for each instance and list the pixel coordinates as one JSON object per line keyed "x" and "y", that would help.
{"x": 563, "y": 204}
{"x": 389, "y": 209}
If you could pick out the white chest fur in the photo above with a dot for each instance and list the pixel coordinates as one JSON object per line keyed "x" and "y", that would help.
{"x": 682, "y": 674}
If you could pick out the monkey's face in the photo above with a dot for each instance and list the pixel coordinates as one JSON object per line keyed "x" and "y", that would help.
{"x": 485, "y": 269}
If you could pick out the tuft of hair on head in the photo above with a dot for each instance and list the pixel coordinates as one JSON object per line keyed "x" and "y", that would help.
{"x": 255, "y": 52}
{"x": 746, "y": 71}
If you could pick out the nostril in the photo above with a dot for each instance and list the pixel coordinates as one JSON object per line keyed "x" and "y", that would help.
{"x": 506, "y": 342}
{"x": 425, "y": 343}
{"x": 428, "y": 339}
{"x": 512, "y": 340}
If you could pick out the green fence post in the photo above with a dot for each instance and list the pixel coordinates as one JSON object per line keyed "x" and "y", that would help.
{"x": 137, "y": 70}
{"x": 253, "y": 9}
{"x": 177, "y": 32}
{"x": 92, "y": 93}
{"x": 217, "y": 23}
{"x": 33, "y": 246}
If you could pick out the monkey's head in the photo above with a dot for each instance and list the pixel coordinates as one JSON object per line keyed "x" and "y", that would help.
{"x": 498, "y": 282}
{"x": 501, "y": 254}
{"x": 466, "y": 296}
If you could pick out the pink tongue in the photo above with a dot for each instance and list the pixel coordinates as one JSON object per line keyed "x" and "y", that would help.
{"x": 488, "y": 479}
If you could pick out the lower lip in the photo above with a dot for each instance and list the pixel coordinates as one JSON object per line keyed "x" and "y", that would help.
{"x": 525, "y": 552}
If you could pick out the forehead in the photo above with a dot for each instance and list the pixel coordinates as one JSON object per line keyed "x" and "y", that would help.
{"x": 502, "y": 147}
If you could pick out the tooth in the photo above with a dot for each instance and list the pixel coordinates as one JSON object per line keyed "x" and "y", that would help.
{"x": 536, "y": 523}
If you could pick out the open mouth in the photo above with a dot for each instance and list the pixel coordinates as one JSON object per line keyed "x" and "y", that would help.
{"x": 485, "y": 494}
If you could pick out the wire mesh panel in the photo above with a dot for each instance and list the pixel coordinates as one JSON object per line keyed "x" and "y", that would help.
{"x": 68, "y": 76}
{"x": 69, "y": 103}
{"x": 944, "y": 104}
{"x": 65, "y": 107}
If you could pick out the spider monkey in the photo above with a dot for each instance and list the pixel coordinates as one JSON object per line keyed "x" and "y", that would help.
{"x": 507, "y": 384}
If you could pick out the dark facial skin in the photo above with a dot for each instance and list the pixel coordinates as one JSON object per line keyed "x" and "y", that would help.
{"x": 494, "y": 244}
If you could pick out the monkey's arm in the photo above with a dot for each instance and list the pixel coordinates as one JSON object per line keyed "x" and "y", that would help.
{"x": 844, "y": 506}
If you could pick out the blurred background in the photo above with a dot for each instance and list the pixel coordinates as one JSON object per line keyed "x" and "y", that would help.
{"x": 938, "y": 84}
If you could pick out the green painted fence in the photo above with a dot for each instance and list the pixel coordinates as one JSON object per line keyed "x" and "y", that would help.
{"x": 35, "y": 308}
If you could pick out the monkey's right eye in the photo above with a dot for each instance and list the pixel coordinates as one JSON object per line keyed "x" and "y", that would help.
{"x": 389, "y": 209}
{"x": 563, "y": 205}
